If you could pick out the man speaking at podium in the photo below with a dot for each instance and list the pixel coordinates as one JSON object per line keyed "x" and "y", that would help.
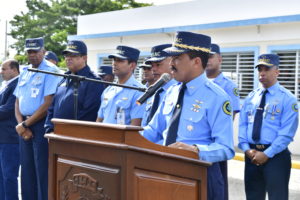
{"x": 195, "y": 114}
{"x": 89, "y": 92}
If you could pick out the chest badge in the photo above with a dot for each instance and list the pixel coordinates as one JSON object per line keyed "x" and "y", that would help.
{"x": 196, "y": 107}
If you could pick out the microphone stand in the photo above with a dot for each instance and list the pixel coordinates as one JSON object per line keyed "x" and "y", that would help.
{"x": 76, "y": 82}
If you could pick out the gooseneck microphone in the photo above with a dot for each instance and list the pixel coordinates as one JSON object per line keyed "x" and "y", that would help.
{"x": 83, "y": 78}
{"x": 153, "y": 88}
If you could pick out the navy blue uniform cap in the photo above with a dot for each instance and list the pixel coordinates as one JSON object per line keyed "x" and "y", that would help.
{"x": 268, "y": 60}
{"x": 157, "y": 53}
{"x": 214, "y": 48}
{"x": 126, "y": 53}
{"x": 188, "y": 41}
{"x": 75, "y": 47}
{"x": 104, "y": 70}
{"x": 34, "y": 44}
{"x": 51, "y": 56}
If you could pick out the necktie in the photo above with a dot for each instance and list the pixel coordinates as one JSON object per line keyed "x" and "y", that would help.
{"x": 173, "y": 128}
{"x": 258, "y": 118}
{"x": 155, "y": 104}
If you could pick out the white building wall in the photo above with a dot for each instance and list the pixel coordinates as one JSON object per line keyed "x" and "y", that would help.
{"x": 103, "y": 32}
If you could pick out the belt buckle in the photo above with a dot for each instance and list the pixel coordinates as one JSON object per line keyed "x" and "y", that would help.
{"x": 260, "y": 146}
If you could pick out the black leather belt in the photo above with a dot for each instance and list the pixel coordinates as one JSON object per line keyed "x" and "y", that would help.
{"x": 260, "y": 147}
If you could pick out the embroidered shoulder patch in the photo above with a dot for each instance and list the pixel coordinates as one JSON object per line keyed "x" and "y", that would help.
{"x": 236, "y": 92}
{"x": 227, "y": 108}
{"x": 295, "y": 107}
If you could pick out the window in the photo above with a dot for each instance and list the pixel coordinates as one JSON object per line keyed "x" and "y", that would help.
{"x": 289, "y": 70}
{"x": 239, "y": 66}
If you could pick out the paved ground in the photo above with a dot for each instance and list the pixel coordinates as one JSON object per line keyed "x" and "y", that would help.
{"x": 236, "y": 183}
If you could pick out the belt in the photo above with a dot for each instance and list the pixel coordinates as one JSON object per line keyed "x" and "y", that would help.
{"x": 260, "y": 147}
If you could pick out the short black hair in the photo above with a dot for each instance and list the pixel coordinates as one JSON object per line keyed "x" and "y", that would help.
{"x": 132, "y": 61}
{"x": 14, "y": 64}
{"x": 203, "y": 56}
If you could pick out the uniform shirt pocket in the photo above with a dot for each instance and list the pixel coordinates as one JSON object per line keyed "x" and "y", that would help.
{"x": 273, "y": 113}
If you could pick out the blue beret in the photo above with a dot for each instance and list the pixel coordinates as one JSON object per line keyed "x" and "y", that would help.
{"x": 157, "y": 53}
{"x": 34, "y": 44}
{"x": 76, "y": 47}
{"x": 268, "y": 60}
{"x": 188, "y": 41}
{"x": 126, "y": 53}
{"x": 51, "y": 56}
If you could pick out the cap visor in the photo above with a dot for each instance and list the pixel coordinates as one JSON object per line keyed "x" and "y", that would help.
{"x": 145, "y": 66}
{"x": 117, "y": 56}
{"x": 68, "y": 51}
{"x": 154, "y": 59}
{"x": 174, "y": 51}
{"x": 34, "y": 49}
{"x": 264, "y": 64}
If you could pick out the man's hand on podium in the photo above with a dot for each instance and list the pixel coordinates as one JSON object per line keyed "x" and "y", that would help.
{"x": 180, "y": 145}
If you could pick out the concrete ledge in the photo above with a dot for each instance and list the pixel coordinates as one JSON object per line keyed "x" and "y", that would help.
{"x": 240, "y": 157}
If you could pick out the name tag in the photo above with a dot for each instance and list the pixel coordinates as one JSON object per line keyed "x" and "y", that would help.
{"x": 34, "y": 92}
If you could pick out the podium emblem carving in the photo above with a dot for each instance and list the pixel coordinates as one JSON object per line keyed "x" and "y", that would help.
{"x": 82, "y": 186}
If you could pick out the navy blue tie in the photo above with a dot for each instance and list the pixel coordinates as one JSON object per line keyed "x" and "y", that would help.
{"x": 174, "y": 121}
{"x": 155, "y": 104}
{"x": 258, "y": 118}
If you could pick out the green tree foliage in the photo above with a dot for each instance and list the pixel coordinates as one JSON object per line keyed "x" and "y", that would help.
{"x": 56, "y": 19}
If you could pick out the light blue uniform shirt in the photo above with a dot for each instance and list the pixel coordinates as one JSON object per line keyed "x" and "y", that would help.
{"x": 206, "y": 119}
{"x": 280, "y": 119}
{"x": 149, "y": 102}
{"x": 231, "y": 89}
{"x": 114, "y": 98}
{"x": 33, "y": 87}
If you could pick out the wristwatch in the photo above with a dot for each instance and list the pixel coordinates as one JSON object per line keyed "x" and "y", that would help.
{"x": 196, "y": 148}
{"x": 24, "y": 124}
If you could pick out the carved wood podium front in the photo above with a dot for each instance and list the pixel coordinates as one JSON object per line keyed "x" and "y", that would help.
{"x": 97, "y": 161}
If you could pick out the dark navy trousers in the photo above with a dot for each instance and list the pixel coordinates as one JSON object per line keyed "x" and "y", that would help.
{"x": 224, "y": 171}
{"x": 9, "y": 170}
{"x": 215, "y": 183}
{"x": 272, "y": 178}
{"x": 34, "y": 164}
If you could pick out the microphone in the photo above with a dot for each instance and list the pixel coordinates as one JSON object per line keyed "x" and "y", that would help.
{"x": 165, "y": 77}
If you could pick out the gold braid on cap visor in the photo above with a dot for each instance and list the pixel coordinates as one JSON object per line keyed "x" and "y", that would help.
{"x": 184, "y": 46}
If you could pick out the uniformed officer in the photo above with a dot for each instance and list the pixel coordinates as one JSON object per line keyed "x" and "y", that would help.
{"x": 214, "y": 73}
{"x": 105, "y": 72}
{"x": 147, "y": 77}
{"x": 268, "y": 123}
{"x": 9, "y": 140}
{"x": 52, "y": 57}
{"x": 160, "y": 64}
{"x": 118, "y": 105}
{"x": 195, "y": 115}
{"x": 89, "y": 92}
{"x": 34, "y": 94}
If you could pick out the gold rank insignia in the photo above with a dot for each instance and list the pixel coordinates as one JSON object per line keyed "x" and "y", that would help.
{"x": 190, "y": 127}
{"x": 196, "y": 107}
{"x": 295, "y": 107}
{"x": 226, "y": 108}
{"x": 124, "y": 98}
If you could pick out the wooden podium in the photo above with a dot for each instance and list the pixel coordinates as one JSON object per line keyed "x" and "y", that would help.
{"x": 97, "y": 161}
